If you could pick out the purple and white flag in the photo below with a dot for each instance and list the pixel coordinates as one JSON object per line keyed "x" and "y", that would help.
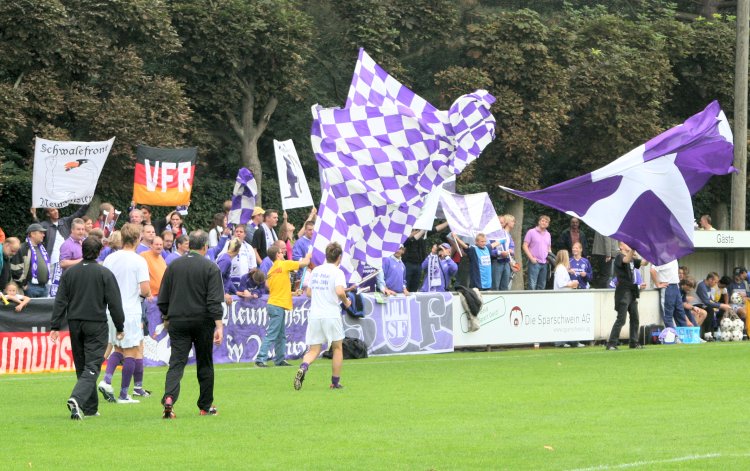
{"x": 381, "y": 155}
{"x": 243, "y": 197}
{"x": 469, "y": 215}
{"x": 643, "y": 198}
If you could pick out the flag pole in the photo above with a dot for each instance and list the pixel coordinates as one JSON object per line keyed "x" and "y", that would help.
{"x": 739, "y": 179}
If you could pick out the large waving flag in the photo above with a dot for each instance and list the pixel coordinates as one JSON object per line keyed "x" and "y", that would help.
{"x": 381, "y": 155}
{"x": 469, "y": 215}
{"x": 164, "y": 177}
{"x": 66, "y": 171}
{"x": 243, "y": 197}
{"x": 643, "y": 198}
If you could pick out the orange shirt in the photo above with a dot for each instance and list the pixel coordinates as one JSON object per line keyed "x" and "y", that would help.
{"x": 156, "y": 268}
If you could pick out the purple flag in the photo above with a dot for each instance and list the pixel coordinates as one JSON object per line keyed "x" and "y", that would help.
{"x": 381, "y": 155}
{"x": 644, "y": 197}
{"x": 243, "y": 197}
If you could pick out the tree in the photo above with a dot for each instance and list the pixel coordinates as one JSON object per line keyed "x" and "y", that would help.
{"x": 239, "y": 59}
{"x": 88, "y": 70}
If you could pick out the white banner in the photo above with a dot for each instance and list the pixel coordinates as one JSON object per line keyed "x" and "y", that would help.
{"x": 294, "y": 190}
{"x": 469, "y": 215}
{"x": 431, "y": 208}
{"x": 67, "y": 172}
{"x": 506, "y": 319}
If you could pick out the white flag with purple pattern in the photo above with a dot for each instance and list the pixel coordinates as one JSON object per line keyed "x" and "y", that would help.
{"x": 243, "y": 197}
{"x": 381, "y": 155}
{"x": 644, "y": 197}
{"x": 469, "y": 215}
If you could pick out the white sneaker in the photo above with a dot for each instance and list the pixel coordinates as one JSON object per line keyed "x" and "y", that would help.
{"x": 579, "y": 345}
{"x": 127, "y": 400}
{"x": 107, "y": 391}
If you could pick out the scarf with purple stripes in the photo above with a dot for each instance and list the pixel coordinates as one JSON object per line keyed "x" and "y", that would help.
{"x": 35, "y": 261}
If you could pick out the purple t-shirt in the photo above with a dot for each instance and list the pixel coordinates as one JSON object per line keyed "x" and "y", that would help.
{"x": 71, "y": 250}
{"x": 539, "y": 244}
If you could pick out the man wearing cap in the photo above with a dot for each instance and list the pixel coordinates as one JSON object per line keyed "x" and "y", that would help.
{"x": 31, "y": 265}
{"x": 254, "y": 223}
{"x": 439, "y": 268}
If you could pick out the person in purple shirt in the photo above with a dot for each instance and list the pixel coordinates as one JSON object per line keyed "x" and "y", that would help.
{"x": 252, "y": 285}
{"x": 71, "y": 251}
{"x": 302, "y": 245}
{"x": 391, "y": 279}
{"x": 536, "y": 245}
{"x": 147, "y": 237}
{"x": 439, "y": 269}
{"x": 225, "y": 267}
{"x": 180, "y": 248}
{"x": 580, "y": 267}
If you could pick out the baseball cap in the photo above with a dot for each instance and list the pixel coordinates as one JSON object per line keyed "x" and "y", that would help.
{"x": 445, "y": 245}
{"x": 36, "y": 227}
{"x": 258, "y": 210}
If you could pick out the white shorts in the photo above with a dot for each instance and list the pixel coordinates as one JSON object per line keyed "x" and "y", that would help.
{"x": 320, "y": 331}
{"x": 133, "y": 331}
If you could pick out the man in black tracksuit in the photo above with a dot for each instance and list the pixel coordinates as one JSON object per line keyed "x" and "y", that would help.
{"x": 86, "y": 291}
{"x": 190, "y": 300}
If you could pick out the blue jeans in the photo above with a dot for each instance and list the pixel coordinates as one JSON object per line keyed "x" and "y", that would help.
{"x": 672, "y": 306}
{"x": 36, "y": 291}
{"x": 504, "y": 281}
{"x": 275, "y": 335}
{"x": 537, "y": 276}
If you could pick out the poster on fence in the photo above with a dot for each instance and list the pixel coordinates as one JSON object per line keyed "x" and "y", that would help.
{"x": 66, "y": 172}
{"x": 24, "y": 340}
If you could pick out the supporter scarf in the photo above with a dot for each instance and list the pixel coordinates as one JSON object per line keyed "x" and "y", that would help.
{"x": 35, "y": 262}
{"x": 434, "y": 272}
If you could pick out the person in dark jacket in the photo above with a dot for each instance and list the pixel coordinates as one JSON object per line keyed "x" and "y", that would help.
{"x": 55, "y": 226}
{"x": 190, "y": 300}
{"x": 626, "y": 296}
{"x": 86, "y": 291}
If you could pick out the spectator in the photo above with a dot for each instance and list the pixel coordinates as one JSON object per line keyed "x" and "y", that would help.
{"x": 10, "y": 248}
{"x": 666, "y": 278}
{"x": 226, "y": 207}
{"x": 683, "y": 272}
{"x": 696, "y": 315}
{"x": 267, "y": 263}
{"x": 390, "y": 280}
{"x": 564, "y": 279}
{"x": 219, "y": 229}
{"x": 135, "y": 216}
{"x": 88, "y": 224}
{"x": 286, "y": 234}
{"x": 252, "y": 285}
{"x": 167, "y": 238}
{"x": 705, "y": 223}
{"x": 2, "y": 235}
{"x": 572, "y": 235}
{"x": 175, "y": 224}
{"x": 279, "y": 300}
{"x": 626, "y": 297}
{"x": 31, "y": 264}
{"x": 265, "y": 236}
{"x": 709, "y": 303}
{"x": 147, "y": 238}
{"x": 439, "y": 268}
{"x": 415, "y": 249}
{"x": 106, "y": 219}
{"x": 114, "y": 243}
{"x": 180, "y": 249}
{"x": 536, "y": 245}
{"x": 71, "y": 251}
{"x": 580, "y": 267}
{"x": 12, "y": 295}
{"x": 462, "y": 244}
{"x": 480, "y": 264}
{"x": 500, "y": 253}
{"x": 254, "y": 224}
{"x": 57, "y": 229}
{"x": 230, "y": 275}
{"x": 246, "y": 259}
{"x": 740, "y": 286}
{"x": 303, "y": 244}
{"x": 146, "y": 212}
{"x": 156, "y": 266}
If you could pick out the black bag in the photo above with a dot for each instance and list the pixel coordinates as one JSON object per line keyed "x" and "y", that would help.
{"x": 353, "y": 349}
{"x": 649, "y": 334}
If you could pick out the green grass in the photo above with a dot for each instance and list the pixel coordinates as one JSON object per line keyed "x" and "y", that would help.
{"x": 671, "y": 407}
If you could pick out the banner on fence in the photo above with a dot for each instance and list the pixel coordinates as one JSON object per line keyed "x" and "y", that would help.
{"x": 24, "y": 340}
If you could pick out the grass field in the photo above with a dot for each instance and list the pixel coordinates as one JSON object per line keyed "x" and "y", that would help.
{"x": 670, "y": 407}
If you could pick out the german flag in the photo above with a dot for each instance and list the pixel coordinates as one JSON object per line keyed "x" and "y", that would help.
{"x": 164, "y": 177}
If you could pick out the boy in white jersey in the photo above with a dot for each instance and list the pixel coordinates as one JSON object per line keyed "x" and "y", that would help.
{"x": 324, "y": 325}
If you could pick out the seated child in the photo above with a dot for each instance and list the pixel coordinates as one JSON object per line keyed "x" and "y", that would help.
{"x": 12, "y": 295}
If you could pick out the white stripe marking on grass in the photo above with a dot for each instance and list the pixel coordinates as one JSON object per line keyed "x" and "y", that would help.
{"x": 636, "y": 464}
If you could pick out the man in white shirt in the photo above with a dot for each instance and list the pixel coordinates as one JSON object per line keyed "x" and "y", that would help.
{"x": 666, "y": 278}
{"x": 324, "y": 325}
{"x": 245, "y": 259}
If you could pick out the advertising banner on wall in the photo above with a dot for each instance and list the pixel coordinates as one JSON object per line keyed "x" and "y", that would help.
{"x": 507, "y": 319}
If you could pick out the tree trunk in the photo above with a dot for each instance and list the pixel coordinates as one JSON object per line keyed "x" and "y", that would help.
{"x": 739, "y": 179}
{"x": 515, "y": 207}
{"x": 249, "y": 131}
